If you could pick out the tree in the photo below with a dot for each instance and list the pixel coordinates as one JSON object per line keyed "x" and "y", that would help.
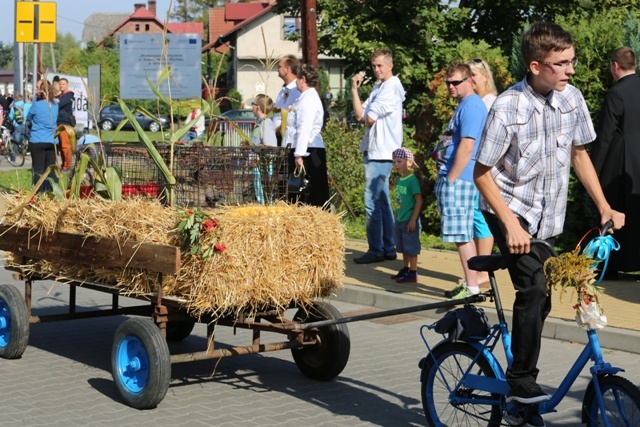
{"x": 412, "y": 29}
{"x": 190, "y": 10}
{"x": 64, "y": 44}
{"x": 6, "y": 55}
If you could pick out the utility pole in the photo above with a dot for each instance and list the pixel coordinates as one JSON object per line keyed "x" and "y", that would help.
{"x": 310, "y": 34}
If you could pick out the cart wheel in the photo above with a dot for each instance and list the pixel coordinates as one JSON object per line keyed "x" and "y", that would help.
{"x": 325, "y": 360}
{"x": 14, "y": 323}
{"x": 179, "y": 329}
{"x": 140, "y": 363}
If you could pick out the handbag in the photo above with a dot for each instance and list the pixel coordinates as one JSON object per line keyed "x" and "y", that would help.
{"x": 298, "y": 181}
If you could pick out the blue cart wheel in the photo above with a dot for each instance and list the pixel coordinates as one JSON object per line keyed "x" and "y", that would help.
{"x": 140, "y": 363}
{"x": 14, "y": 323}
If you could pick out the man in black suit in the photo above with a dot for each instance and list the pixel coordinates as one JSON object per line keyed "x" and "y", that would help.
{"x": 616, "y": 157}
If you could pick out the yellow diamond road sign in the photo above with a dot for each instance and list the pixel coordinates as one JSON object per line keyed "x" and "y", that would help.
{"x": 35, "y": 22}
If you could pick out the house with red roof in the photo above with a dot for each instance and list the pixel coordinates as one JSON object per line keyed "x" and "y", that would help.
{"x": 254, "y": 38}
{"x": 143, "y": 20}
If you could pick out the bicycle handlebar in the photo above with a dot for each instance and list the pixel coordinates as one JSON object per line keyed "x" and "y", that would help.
{"x": 606, "y": 227}
{"x": 545, "y": 244}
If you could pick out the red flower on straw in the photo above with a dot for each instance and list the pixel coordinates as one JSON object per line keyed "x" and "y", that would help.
{"x": 219, "y": 247}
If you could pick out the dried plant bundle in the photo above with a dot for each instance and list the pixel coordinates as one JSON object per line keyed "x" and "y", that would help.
{"x": 274, "y": 255}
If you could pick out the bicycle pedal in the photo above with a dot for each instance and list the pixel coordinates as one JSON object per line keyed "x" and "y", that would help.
{"x": 515, "y": 414}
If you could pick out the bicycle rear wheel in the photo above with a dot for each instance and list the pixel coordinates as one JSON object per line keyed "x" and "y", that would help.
{"x": 621, "y": 401}
{"x": 441, "y": 388}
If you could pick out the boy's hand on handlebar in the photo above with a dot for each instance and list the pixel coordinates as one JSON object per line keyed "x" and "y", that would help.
{"x": 615, "y": 216}
{"x": 518, "y": 240}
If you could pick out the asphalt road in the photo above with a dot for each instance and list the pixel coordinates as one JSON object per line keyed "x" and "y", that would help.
{"x": 64, "y": 377}
{"x": 4, "y": 164}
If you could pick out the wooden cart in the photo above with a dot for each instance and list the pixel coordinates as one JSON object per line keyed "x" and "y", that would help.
{"x": 140, "y": 358}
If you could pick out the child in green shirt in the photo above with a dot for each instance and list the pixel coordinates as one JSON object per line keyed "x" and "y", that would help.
{"x": 407, "y": 225}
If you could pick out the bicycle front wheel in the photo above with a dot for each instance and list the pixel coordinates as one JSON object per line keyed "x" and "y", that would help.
{"x": 14, "y": 155}
{"x": 444, "y": 400}
{"x": 621, "y": 402}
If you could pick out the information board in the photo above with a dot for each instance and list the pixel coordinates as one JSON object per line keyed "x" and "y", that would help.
{"x": 142, "y": 58}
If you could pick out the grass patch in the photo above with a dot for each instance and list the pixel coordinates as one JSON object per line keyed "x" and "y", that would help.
{"x": 15, "y": 180}
{"x": 130, "y": 136}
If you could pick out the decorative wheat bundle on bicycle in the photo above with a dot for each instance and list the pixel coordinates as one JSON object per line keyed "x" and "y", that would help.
{"x": 576, "y": 270}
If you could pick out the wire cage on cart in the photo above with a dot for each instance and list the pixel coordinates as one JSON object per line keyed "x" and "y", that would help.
{"x": 206, "y": 176}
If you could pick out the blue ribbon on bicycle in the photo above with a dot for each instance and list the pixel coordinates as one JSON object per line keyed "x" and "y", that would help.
{"x": 599, "y": 249}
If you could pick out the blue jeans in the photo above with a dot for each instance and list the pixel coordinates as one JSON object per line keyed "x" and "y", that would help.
{"x": 377, "y": 206}
{"x": 19, "y": 132}
{"x": 192, "y": 134}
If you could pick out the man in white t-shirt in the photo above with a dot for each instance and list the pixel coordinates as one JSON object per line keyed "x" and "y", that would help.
{"x": 382, "y": 116}
{"x": 287, "y": 71}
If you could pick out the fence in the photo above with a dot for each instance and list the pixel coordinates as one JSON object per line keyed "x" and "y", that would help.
{"x": 206, "y": 176}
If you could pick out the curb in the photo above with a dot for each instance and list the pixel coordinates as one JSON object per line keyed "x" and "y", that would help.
{"x": 610, "y": 338}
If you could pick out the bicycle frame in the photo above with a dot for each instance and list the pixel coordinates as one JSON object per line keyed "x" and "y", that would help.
{"x": 499, "y": 385}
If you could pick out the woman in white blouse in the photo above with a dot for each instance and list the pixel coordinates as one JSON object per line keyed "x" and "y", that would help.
{"x": 302, "y": 135}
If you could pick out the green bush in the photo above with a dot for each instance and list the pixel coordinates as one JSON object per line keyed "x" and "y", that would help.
{"x": 345, "y": 165}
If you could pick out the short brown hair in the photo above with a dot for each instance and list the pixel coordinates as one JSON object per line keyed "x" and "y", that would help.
{"x": 310, "y": 74}
{"x": 542, "y": 39}
{"x": 461, "y": 67}
{"x": 383, "y": 52}
{"x": 292, "y": 62}
{"x": 625, "y": 57}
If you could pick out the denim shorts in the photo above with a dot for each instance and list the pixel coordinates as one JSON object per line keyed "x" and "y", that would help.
{"x": 407, "y": 243}
{"x": 456, "y": 203}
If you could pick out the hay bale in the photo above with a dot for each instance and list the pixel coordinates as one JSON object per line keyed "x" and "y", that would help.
{"x": 274, "y": 255}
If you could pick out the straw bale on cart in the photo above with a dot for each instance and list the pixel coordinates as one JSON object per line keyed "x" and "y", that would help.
{"x": 266, "y": 256}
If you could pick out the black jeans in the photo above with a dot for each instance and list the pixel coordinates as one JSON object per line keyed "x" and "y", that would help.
{"x": 532, "y": 303}
{"x": 43, "y": 155}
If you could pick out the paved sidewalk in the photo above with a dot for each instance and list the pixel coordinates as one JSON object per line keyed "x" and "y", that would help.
{"x": 369, "y": 284}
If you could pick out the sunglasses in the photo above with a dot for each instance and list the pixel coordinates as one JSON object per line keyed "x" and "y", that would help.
{"x": 476, "y": 61}
{"x": 454, "y": 82}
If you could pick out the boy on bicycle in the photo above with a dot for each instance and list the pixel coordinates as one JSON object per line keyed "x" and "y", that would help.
{"x": 534, "y": 131}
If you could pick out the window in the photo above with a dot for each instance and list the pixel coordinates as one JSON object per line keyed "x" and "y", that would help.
{"x": 336, "y": 82}
{"x": 291, "y": 28}
{"x": 146, "y": 27}
{"x": 137, "y": 27}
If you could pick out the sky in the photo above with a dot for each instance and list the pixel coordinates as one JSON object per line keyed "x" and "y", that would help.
{"x": 72, "y": 13}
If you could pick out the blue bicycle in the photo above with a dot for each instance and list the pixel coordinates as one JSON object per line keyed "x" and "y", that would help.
{"x": 464, "y": 384}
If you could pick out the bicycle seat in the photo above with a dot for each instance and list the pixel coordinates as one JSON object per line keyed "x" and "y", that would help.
{"x": 487, "y": 262}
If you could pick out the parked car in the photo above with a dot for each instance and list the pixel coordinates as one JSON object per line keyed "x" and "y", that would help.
{"x": 238, "y": 116}
{"x": 112, "y": 115}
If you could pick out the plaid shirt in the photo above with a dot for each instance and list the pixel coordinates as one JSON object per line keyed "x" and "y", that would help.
{"x": 527, "y": 140}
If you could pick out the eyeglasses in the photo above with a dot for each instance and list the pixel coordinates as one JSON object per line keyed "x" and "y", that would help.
{"x": 454, "y": 82}
{"x": 563, "y": 64}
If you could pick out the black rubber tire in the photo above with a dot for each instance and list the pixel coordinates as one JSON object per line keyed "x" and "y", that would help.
{"x": 154, "y": 127}
{"x": 179, "y": 330}
{"x": 325, "y": 360}
{"x": 107, "y": 125}
{"x": 140, "y": 363}
{"x": 14, "y": 323}
{"x": 621, "y": 399}
{"x": 451, "y": 361}
{"x": 19, "y": 160}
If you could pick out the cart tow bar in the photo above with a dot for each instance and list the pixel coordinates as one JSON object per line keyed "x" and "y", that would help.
{"x": 412, "y": 309}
